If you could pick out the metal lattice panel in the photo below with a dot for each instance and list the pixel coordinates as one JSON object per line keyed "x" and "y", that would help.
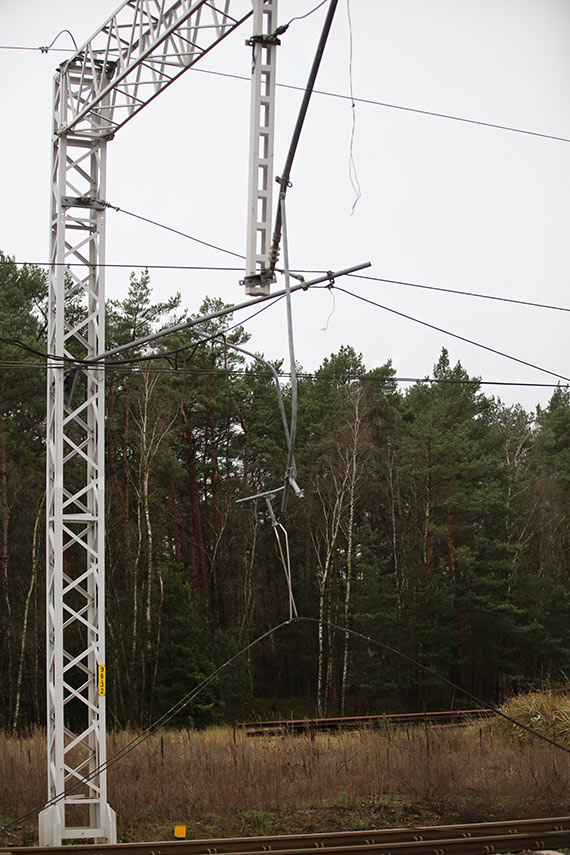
{"x": 138, "y": 52}
{"x": 75, "y": 498}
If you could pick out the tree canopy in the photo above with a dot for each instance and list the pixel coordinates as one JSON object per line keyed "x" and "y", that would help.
{"x": 434, "y": 519}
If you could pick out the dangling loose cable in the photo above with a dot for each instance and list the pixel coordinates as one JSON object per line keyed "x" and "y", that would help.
{"x": 285, "y": 558}
{"x": 288, "y": 575}
{"x": 352, "y": 173}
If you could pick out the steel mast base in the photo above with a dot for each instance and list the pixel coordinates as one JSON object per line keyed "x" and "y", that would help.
{"x": 52, "y": 829}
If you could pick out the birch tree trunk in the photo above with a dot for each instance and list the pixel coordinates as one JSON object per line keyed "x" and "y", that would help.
{"x": 354, "y": 469}
{"x": 24, "y": 635}
{"x": 151, "y": 433}
{"x": 332, "y": 507}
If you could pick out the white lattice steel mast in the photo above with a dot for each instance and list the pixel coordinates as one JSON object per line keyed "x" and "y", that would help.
{"x": 258, "y": 276}
{"x": 136, "y": 54}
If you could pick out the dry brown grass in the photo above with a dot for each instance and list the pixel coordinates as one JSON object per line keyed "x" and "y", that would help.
{"x": 219, "y": 782}
{"x": 548, "y": 712}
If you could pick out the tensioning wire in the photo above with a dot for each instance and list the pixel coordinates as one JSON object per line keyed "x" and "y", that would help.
{"x": 458, "y": 292}
{"x": 295, "y": 270}
{"x": 452, "y": 334}
{"x": 145, "y": 734}
{"x": 390, "y": 106}
{"x": 77, "y": 363}
{"x": 389, "y": 649}
{"x": 174, "y": 231}
{"x": 305, "y": 375}
{"x": 190, "y": 696}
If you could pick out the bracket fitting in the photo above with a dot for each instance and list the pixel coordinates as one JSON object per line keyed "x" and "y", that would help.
{"x": 82, "y": 202}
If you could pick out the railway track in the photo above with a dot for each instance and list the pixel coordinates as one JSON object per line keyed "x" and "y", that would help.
{"x": 310, "y": 725}
{"x": 473, "y": 839}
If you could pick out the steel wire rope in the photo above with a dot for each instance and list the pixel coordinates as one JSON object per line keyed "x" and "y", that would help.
{"x": 40, "y": 48}
{"x": 352, "y": 171}
{"x": 452, "y": 334}
{"x": 387, "y": 647}
{"x": 225, "y": 310}
{"x": 173, "y": 230}
{"x": 169, "y": 353}
{"x": 116, "y": 363}
{"x": 89, "y": 363}
{"x": 148, "y": 731}
{"x": 285, "y": 558}
{"x": 306, "y": 15}
{"x": 287, "y": 567}
{"x": 306, "y": 375}
{"x": 44, "y": 49}
{"x": 271, "y": 368}
{"x": 122, "y": 265}
{"x": 460, "y": 293}
{"x": 189, "y": 696}
{"x": 296, "y": 270}
{"x": 344, "y": 630}
{"x": 47, "y": 48}
{"x": 390, "y": 106}
{"x": 371, "y": 101}
{"x": 104, "y": 358}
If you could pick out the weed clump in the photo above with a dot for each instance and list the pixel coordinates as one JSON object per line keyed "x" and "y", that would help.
{"x": 547, "y": 712}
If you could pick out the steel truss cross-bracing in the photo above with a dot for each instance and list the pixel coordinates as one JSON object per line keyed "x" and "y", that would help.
{"x": 136, "y": 54}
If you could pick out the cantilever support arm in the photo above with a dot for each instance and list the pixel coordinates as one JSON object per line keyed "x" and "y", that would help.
{"x": 227, "y": 310}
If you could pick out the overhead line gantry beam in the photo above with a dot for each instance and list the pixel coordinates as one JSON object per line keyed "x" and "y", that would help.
{"x": 139, "y": 51}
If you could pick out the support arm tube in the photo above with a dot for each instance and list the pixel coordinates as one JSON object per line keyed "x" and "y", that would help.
{"x": 192, "y": 322}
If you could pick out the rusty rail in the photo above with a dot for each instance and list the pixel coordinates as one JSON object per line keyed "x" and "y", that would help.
{"x": 472, "y": 839}
{"x": 307, "y": 725}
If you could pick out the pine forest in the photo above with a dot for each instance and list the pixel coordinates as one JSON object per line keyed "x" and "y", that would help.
{"x": 434, "y": 519}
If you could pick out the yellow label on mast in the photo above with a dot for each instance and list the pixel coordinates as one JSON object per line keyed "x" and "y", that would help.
{"x": 101, "y": 680}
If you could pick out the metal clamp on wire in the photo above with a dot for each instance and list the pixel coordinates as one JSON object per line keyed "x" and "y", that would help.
{"x": 331, "y": 282}
{"x": 295, "y": 487}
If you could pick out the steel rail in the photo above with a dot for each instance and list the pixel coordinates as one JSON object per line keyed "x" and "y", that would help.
{"x": 303, "y": 725}
{"x": 470, "y": 839}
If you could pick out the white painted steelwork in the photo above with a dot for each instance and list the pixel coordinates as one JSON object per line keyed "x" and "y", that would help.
{"x": 262, "y": 124}
{"x": 139, "y": 51}
{"x": 75, "y": 606}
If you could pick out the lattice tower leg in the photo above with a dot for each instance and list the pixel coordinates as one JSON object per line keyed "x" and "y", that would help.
{"x": 75, "y": 583}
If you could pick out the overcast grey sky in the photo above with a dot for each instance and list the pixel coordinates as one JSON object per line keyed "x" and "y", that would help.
{"x": 443, "y": 203}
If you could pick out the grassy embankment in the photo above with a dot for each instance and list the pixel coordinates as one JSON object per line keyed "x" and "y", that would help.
{"x": 220, "y": 783}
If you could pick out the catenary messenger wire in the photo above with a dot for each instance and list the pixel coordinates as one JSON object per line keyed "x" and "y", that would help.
{"x": 134, "y": 367}
{"x": 391, "y": 106}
